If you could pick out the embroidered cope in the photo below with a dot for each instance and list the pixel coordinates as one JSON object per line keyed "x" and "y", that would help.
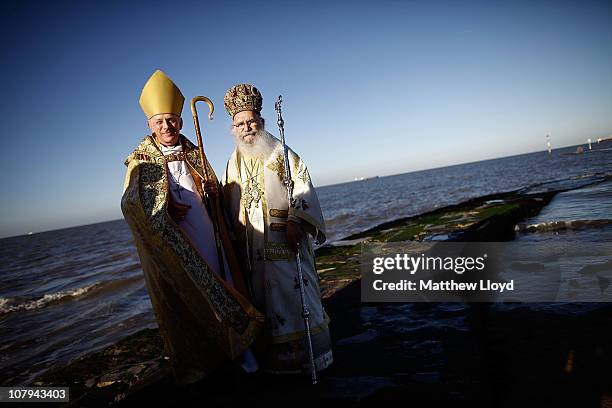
{"x": 204, "y": 318}
{"x": 258, "y": 210}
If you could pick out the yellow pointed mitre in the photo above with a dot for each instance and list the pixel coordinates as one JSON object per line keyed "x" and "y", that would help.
{"x": 161, "y": 95}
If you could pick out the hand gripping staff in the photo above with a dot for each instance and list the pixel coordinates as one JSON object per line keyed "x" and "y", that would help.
{"x": 289, "y": 184}
{"x": 213, "y": 205}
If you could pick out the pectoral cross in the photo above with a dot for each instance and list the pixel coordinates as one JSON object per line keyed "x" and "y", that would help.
{"x": 252, "y": 191}
{"x": 178, "y": 189}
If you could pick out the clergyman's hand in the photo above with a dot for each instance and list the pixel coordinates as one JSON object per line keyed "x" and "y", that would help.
{"x": 177, "y": 211}
{"x": 210, "y": 188}
{"x": 294, "y": 234}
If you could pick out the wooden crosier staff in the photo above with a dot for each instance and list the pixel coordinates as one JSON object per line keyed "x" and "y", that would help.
{"x": 289, "y": 184}
{"x": 213, "y": 206}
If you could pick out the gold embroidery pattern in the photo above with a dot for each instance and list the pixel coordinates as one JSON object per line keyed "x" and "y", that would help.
{"x": 304, "y": 176}
{"x": 278, "y": 251}
{"x": 153, "y": 194}
{"x": 252, "y": 190}
{"x": 192, "y": 157}
{"x": 278, "y": 166}
{"x": 275, "y": 212}
{"x": 278, "y": 226}
{"x": 175, "y": 157}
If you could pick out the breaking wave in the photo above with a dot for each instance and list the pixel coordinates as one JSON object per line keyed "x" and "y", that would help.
{"x": 21, "y": 303}
{"x": 8, "y": 305}
{"x": 562, "y": 225}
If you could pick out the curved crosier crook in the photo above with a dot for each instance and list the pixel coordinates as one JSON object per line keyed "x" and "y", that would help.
{"x": 211, "y": 107}
{"x": 196, "y": 123}
{"x": 213, "y": 204}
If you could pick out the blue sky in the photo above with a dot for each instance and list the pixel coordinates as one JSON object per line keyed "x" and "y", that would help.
{"x": 369, "y": 88}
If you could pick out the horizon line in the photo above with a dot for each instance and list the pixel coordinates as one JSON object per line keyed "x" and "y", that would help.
{"x": 322, "y": 186}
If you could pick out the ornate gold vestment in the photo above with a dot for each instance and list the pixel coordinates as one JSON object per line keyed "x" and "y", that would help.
{"x": 258, "y": 210}
{"x": 202, "y": 319}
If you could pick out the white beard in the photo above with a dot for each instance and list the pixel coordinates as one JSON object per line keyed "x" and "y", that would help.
{"x": 262, "y": 146}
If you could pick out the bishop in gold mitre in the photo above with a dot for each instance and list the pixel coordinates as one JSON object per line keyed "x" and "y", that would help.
{"x": 161, "y": 96}
{"x": 199, "y": 298}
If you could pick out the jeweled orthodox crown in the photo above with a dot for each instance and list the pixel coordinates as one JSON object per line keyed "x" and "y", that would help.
{"x": 242, "y": 97}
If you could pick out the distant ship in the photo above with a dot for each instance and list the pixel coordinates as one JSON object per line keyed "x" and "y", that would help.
{"x": 365, "y": 178}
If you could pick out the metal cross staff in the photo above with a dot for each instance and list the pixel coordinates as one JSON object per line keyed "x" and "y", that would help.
{"x": 287, "y": 182}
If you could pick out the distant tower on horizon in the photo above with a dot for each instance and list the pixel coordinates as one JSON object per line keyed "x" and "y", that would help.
{"x": 548, "y": 144}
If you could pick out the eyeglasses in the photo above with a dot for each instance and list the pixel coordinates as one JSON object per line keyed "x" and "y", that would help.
{"x": 249, "y": 123}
